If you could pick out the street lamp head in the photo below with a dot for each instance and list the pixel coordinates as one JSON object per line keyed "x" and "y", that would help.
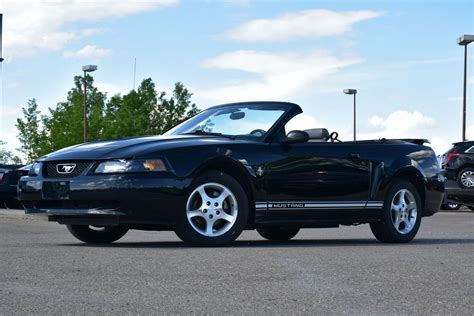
{"x": 465, "y": 39}
{"x": 350, "y": 91}
{"x": 89, "y": 68}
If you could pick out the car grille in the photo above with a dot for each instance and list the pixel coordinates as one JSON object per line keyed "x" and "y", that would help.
{"x": 50, "y": 169}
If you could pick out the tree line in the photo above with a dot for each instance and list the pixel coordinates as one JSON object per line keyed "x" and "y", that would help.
{"x": 141, "y": 112}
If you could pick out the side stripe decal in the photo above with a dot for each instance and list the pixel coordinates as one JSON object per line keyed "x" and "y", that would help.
{"x": 319, "y": 205}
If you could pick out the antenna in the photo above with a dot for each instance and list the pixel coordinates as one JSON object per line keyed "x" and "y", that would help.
{"x": 134, "y": 72}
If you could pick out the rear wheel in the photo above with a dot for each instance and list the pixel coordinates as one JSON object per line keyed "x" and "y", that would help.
{"x": 401, "y": 216}
{"x": 278, "y": 233}
{"x": 466, "y": 178}
{"x": 97, "y": 234}
{"x": 451, "y": 206}
{"x": 216, "y": 211}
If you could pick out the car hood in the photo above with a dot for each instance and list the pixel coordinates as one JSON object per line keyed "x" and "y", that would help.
{"x": 133, "y": 147}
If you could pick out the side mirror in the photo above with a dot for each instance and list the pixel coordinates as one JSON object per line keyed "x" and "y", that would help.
{"x": 294, "y": 137}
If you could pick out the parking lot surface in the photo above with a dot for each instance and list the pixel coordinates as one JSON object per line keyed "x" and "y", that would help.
{"x": 44, "y": 270}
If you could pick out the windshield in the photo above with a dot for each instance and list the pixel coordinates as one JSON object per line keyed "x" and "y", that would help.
{"x": 233, "y": 120}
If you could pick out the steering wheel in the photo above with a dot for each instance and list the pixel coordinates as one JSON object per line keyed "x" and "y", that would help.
{"x": 257, "y": 131}
{"x": 334, "y": 137}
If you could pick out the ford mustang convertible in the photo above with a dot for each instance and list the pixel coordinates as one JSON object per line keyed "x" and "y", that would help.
{"x": 234, "y": 167}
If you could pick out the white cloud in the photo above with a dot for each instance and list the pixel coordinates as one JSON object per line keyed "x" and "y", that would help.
{"x": 281, "y": 75}
{"x": 88, "y": 51}
{"x": 302, "y": 24}
{"x": 302, "y": 122}
{"x": 400, "y": 122}
{"x": 238, "y": 3}
{"x": 407, "y": 124}
{"x": 38, "y": 26}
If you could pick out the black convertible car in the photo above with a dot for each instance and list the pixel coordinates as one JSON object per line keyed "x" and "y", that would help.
{"x": 234, "y": 167}
{"x": 9, "y": 176}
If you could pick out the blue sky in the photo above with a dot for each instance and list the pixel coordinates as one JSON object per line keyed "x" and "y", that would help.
{"x": 402, "y": 57}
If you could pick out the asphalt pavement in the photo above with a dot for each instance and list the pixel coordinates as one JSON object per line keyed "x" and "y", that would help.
{"x": 44, "y": 270}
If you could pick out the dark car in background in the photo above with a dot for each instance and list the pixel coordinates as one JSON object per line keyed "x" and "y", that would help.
{"x": 9, "y": 176}
{"x": 234, "y": 167}
{"x": 458, "y": 168}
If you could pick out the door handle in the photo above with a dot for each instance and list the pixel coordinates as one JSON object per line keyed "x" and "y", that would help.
{"x": 354, "y": 156}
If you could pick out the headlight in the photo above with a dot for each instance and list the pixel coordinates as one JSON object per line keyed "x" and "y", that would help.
{"x": 35, "y": 169}
{"x": 122, "y": 166}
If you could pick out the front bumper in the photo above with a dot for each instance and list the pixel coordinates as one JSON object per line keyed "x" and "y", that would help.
{"x": 95, "y": 199}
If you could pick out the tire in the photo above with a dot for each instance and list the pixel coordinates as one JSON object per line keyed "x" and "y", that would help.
{"x": 209, "y": 218}
{"x": 97, "y": 235}
{"x": 13, "y": 204}
{"x": 466, "y": 178}
{"x": 471, "y": 208}
{"x": 407, "y": 212}
{"x": 451, "y": 206}
{"x": 278, "y": 233}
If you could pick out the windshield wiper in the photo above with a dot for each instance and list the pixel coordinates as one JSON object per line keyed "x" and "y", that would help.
{"x": 201, "y": 132}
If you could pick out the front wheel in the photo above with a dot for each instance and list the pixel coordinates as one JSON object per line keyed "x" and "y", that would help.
{"x": 97, "y": 234}
{"x": 401, "y": 216}
{"x": 216, "y": 211}
{"x": 278, "y": 233}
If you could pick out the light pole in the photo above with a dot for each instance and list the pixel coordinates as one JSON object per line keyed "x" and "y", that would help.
{"x": 1, "y": 35}
{"x": 86, "y": 69}
{"x": 464, "y": 41}
{"x": 353, "y": 92}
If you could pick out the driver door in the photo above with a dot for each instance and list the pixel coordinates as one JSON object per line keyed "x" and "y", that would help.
{"x": 317, "y": 175}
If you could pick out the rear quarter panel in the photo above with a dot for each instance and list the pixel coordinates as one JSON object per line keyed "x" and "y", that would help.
{"x": 417, "y": 164}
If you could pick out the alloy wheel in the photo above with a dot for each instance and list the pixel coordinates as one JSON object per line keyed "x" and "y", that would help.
{"x": 212, "y": 209}
{"x": 404, "y": 211}
{"x": 467, "y": 179}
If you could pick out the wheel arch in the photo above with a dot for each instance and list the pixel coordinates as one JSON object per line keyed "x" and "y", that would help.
{"x": 464, "y": 167}
{"x": 415, "y": 177}
{"x": 236, "y": 170}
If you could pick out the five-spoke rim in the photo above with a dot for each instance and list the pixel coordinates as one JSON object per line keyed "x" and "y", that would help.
{"x": 212, "y": 209}
{"x": 467, "y": 179}
{"x": 404, "y": 211}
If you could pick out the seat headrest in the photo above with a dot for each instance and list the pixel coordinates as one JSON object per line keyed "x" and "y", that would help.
{"x": 318, "y": 133}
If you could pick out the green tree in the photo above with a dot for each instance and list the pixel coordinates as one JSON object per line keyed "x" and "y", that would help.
{"x": 138, "y": 113}
{"x": 64, "y": 124}
{"x": 146, "y": 112}
{"x": 31, "y": 135}
{"x": 7, "y": 157}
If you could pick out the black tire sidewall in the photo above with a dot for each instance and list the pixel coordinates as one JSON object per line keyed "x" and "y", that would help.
{"x": 389, "y": 229}
{"x": 278, "y": 233}
{"x": 90, "y": 236}
{"x": 186, "y": 232}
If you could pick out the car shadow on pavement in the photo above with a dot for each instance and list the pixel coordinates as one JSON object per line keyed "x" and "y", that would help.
{"x": 275, "y": 244}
